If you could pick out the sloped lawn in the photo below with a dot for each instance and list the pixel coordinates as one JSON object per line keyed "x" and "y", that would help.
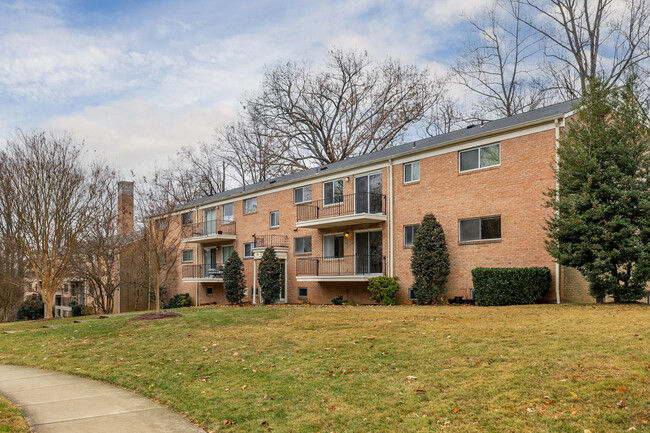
{"x": 536, "y": 368}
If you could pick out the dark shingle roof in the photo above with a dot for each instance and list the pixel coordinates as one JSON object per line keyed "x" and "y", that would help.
{"x": 550, "y": 112}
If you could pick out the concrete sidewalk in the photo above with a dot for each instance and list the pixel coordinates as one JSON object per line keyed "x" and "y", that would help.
{"x": 57, "y": 402}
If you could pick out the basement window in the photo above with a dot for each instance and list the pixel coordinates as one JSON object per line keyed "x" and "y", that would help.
{"x": 302, "y": 292}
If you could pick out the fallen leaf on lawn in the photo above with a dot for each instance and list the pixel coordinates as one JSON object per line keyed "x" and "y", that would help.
{"x": 227, "y": 422}
{"x": 244, "y": 387}
{"x": 411, "y": 378}
{"x": 456, "y": 409}
{"x": 621, "y": 404}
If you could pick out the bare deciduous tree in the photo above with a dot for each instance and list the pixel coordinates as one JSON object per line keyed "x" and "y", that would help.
{"x": 446, "y": 116}
{"x": 499, "y": 65}
{"x": 352, "y": 107}
{"x": 52, "y": 197}
{"x": 587, "y": 39}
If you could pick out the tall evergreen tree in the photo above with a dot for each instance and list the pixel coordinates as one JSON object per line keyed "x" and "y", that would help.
{"x": 234, "y": 281}
{"x": 270, "y": 276}
{"x": 429, "y": 261}
{"x": 601, "y": 224}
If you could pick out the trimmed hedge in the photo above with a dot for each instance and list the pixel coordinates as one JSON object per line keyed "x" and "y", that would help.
{"x": 510, "y": 286}
{"x": 384, "y": 290}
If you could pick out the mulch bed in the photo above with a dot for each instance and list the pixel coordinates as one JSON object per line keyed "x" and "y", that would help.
{"x": 156, "y": 316}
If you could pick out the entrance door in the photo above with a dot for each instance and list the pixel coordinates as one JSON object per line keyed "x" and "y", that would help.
{"x": 368, "y": 197}
{"x": 210, "y": 222}
{"x": 209, "y": 262}
{"x": 369, "y": 258}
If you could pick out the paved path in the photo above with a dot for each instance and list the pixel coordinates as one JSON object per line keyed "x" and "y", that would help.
{"x": 57, "y": 403}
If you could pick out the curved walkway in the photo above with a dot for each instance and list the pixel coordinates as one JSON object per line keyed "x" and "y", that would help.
{"x": 57, "y": 402}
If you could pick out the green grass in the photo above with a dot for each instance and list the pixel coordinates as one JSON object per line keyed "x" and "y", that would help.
{"x": 535, "y": 368}
{"x": 11, "y": 419}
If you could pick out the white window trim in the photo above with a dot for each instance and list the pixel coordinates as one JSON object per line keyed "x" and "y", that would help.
{"x": 305, "y": 252}
{"x": 187, "y": 261}
{"x": 404, "y": 235}
{"x": 244, "y": 206}
{"x": 479, "y": 229}
{"x": 253, "y": 246}
{"x": 479, "y": 159}
{"x": 303, "y": 194}
{"x": 271, "y": 219}
{"x": 223, "y": 251}
{"x": 343, "y": 198}
{"x": 411, "y": 164}
{"x": 232, "y": 217}
{"x": 323, "y": 242}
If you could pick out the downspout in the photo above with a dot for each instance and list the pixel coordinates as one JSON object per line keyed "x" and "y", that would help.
{"x": 557, "y": 197}
{"x": 390, "y": 219}
{"x": 254, "y": 279}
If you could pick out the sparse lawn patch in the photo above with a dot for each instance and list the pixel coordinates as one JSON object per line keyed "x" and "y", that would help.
{"x": 11, "y": 419}
{"x": 530, "y": 368}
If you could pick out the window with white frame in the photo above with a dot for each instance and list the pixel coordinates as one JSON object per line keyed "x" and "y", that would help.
{"x": 187, "y": 218}
{"x": 333, "y": 192}
{"x": 479, "y": 229}
{"x": 188, "y": 256}
{"x": 302, "y": 194}
{"x": 302, "y": 245}
{"x": 481, "y": 157}
{"x": 250, "y": 205}
{"x": 228, "y": 212}
{"x": 412, "y": 171}
{"x": 333, "y": 246}
{"x": 226, "y": 252}
{"x": 275, "y": 219}
{"x": 248, "y": 249}
{"x": 409, "y": 234}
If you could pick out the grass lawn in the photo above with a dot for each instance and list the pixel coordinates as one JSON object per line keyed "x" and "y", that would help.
{"x": 563, "y": 368}
{"x": 11, "y": 420}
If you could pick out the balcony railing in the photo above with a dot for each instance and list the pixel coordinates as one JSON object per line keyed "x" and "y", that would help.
{"x": 211, "y": 228}
{"x": 265, "y": 241}
{"x": 351, "y": 204}
{"x": 204, "y": 271}
{"x": 357, "y": 265}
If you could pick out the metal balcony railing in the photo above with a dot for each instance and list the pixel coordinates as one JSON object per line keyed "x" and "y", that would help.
{"x": 351, "y": 204}
{"x": 264, "y": 241}
{"x": 209, "y": 228}
{"x": 359, "y": 264}
{"x": 204, "y": 271}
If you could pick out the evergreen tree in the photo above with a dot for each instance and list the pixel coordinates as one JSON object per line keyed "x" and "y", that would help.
{"x": 270, "y": 276}
{"x": 234, "y": 281}
{"x": 429, "y": 261}
{"x": 601, "y": 224}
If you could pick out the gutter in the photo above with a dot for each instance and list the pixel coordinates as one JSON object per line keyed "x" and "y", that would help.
{"x": 390, "y": 219}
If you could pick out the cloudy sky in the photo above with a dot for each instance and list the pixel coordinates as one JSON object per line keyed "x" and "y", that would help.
{"x": 136, "y": 80}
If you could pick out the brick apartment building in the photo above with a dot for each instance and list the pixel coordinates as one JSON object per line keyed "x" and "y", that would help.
{"x": 335, "y": 226}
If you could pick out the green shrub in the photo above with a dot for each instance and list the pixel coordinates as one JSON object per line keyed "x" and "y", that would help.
{"x": 234, "y": 281}
{"x": 338, "y": 300}
{"x": 87, "y": 310}
{"x": 429, "y": 261}
{"x": 179, "y": 300}
{"x": 270, "y": 276}
{"x": 383, "y": 290}
{"x": 510, "y": 286}
{"x": 31, "y": 309}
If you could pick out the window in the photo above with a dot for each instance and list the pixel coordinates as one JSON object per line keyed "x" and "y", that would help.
{"x": 481, "y": 157}
{"x": 209, "y": 291}
{"x": 163, "y": 258}
{"x": 248, "y": 249}
{"x": 188, "y": 256}
{"x": 65, "y": 288}
{"x": 412, "y": 172}
{"x": 333, "y": 192}
{"x": 302, "y": 292}
{"x": 302, "y": 245}
{"x": 302, "y": 194}
{"x": 228, "y": 212}
{"x": 479, "y": 229}
{"x": 333, "y": 246}
{"x": 275, "y": 219}
{"x": 187, "y": 218}
{"x": 412, "y": 295}
{"x": 227, "y": 251}
{"x": 250, "y": 205}
{"x": 409, "y": 234}
{"x": 161, "y": 224}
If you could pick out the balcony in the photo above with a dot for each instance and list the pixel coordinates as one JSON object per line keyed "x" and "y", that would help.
{"x": 209, "y": 273}
{"x": 280, "y": 244}
{"x": 209, "y": 231}
{"x": 347, "y": 268}
{"x": 351, "y": 209}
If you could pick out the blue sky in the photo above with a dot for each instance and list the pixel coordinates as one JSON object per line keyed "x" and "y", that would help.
{"x": 136, "y": 80}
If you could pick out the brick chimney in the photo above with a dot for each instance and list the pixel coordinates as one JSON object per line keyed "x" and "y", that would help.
{"x": 125, "y": 207}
